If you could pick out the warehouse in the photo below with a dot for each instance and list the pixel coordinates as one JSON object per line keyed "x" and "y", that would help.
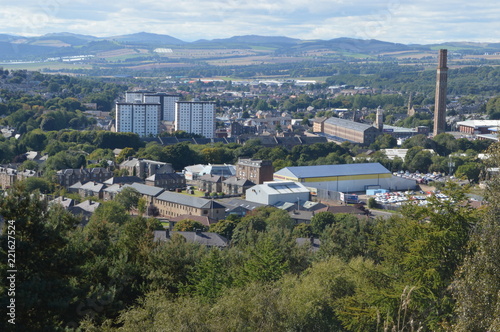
{"x": 347, "y": 130}
{"x": 345, "y": 178}
{"x": 272, "y": 192}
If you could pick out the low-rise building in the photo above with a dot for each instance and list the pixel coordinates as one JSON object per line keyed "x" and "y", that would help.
{"x": 272, "y": 192}
{"x": 92, "y": 189}
{"x": 210, "y": 183}
{"x": 173, "y": 204}
{"x": 68, "y": 177}
{"x": 168, "y": 181}
{"x": 144, "y": 168}
{"x": 233, "y": 186}
{"x": 204, "y": 238}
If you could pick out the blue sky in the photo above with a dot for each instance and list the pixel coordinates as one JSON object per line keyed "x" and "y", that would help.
{"x": 403, "y": 21}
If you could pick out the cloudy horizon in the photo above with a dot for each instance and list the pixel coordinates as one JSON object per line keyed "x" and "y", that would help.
{"x": 399, "y": 21}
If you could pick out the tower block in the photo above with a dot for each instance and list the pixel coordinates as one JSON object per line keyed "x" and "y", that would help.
{"x": 441, "y": 87}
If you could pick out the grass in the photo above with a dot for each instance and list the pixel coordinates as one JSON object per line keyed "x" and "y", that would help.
{"x": 197, "y": 193}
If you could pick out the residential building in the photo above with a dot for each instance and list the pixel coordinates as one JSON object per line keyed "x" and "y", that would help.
{"x": 123, "y": 180}
{"x": 92, "y": 189}
{"x": 210, "y": 183}
{"x": 204, "y": 238}
{"x": 255, "y": 170}
{"x": 196, "y": 117}
{"x": 168, "y": 181}
{"x": 9, "y": 176}
{"x": 140, "y": 118}
{"x": 173, "y": 204}
{"x": 235, "y": 186}
{"x": 167, "y": 102}
{"x": 147, "y": 192}
{"x": 144, "y": 168}
{"x": 68, "y": 177}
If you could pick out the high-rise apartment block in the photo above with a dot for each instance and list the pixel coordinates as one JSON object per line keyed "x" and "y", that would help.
{"x": 196, "y": 117}
{"x": 167, "y": 101}
{"x": 140, "y": 118}
{"x": 441, "y": 87}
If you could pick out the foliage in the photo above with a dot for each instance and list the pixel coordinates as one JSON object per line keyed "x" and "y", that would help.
{"x": 128, "y": 197}
{"x": 188, "y": 225}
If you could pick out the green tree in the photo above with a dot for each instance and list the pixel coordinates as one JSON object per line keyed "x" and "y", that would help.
{"x": 321, "y": 220}
{"x": 42, "y": 185}
{"x": 471, "y": 171}
{"x": 43, "y": 289}
{"x": 128, "y": 197}
{"x": 210, "y": 277}
{"x": 188, "y": 225}
{"x": 477, "y": 287}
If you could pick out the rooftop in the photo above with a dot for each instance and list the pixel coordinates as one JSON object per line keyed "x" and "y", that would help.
{"x": 348, "y": 124}
{"x": 186, "y": 200}
{"x": 301, "y": 172}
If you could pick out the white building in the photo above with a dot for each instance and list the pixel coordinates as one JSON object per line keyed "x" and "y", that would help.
{"x": 136, "y": 96}
{"x": 272, "y": 192}
{"x": 196, "y": 117}
{"x": 167, "y": 102}
{"x": 140, "y": 118}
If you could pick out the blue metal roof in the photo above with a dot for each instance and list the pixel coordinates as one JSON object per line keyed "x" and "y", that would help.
{"x": 301, "y": 172}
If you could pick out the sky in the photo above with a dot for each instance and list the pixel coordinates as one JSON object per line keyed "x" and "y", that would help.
{"x": 400, "y": 21}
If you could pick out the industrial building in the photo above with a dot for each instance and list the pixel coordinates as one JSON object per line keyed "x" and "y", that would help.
{"x": 273, "y": 192}
{"x": 347, "y": 130}
{"x": 344, "y": 178}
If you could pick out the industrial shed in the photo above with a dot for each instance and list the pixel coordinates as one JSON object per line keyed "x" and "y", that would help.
{"x": 345, "y": 178}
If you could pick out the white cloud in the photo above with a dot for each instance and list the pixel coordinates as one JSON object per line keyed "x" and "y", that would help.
{"x": 420, "y": 21}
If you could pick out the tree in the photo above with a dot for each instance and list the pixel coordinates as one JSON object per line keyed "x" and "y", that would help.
{"x": 348, "y": 238}
{"x": 477, "y": 287}
{"x": 266, "y": 261}
{"x": 42, "y": 185}
{"x": 210, "y": 276}
{"x": 124, "y": 154}
{"x": 128, "y": 197}
{"x": 188, "y": 225}
{"x": 224, "y": 227}
{"x": 471, "y": 171}
{"x": 321, "y": 220}
{"x": 43, "y": 289}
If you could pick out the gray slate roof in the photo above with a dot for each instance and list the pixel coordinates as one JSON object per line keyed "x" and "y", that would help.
{"x": 196, "y": 202}
{"x": 144, "y": 189}
{"x": 349, "y": 124}
{"x": 203, "y": 238}
{"x": 123, "y": 179}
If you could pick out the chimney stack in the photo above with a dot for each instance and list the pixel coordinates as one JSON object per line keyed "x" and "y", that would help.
{"x": 441, "y": 89}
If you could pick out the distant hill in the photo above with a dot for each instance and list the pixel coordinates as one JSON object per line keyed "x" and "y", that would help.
{"x": 147, "y": 38}
{"x": 63, "y": 44}
{"x": 256, "y": 40}
{"x": 8, "y": 38}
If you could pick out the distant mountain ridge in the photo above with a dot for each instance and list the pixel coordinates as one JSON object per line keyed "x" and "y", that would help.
{"x": 64, "y": 43}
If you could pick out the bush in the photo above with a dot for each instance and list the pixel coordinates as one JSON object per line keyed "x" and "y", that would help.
{"x": 372, "y": 203}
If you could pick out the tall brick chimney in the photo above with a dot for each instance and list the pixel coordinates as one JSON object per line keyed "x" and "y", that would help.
{"x": 441, "y": 86}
